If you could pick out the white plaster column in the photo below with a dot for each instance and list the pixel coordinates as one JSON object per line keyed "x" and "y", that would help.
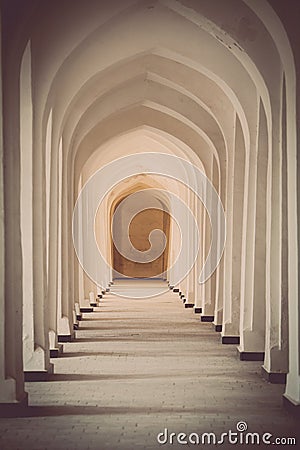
{"x": 8, "y": 388}
{"x": 184, "y": 285}
{"x": 103, "y": 238}
{"x": 81, "y": 299}
{"x": 73, "y": 262}
{"x": 208, "y": 301}
{"x": 192, "y": 276}
{"x": 218, "y": 182}
{"x": 199, "y": 288}
{"x": 276, "y": 348}
{"x": 52, "y": 299}
{"x": 11, "y": 357}
{"x": 229, "y": 231}
{"x": 173, "y": 253}
{"x": 85, "y": 284}
{"x": 234, "y": 224}
{"x": 106, "y": 274}
{"x": 33, "y": 358}
{"x": 292, "y": 391}
{"x": 68, "y": 303}
{"x": 252, "y": 312}
{"x": 40, "y": 305}
{"x": 64, "y": 320}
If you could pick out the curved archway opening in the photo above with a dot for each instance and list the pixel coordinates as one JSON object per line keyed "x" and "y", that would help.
{"x": 135, "y": 229}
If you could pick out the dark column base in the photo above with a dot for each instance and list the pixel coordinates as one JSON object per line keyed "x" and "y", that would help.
{"x": 251, "y": 356}
{"x": 171, "y": 287}
{"x": 55, "y": 352}
{"x": 181, "y": 295}
{"x": 75, "y": 326}
{"x": 38, "y": 375}
{"x": 233, "y": 340}
{"x": 198, "y": 310}
{"x": 107, "y": 290}
{"x": 290, "y": 406}
{"x": 86, "y": 310}
{"x": 94, "y": 304}
{"x": 207, "y": 318}
{"x": 64, "y": 338}
{"x": 189, "y": 305}
{"x": 175, "y": 289}
{"x": 273, "y": 377}
{"x": 218, "y": 328}
{"x": 99, "y": 296}
{"x": 13, "y": 409}
{"x": 184, "y": 300}
{"x": 79, "y": 317}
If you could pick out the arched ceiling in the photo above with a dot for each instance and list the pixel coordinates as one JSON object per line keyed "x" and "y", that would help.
{"x": 128, "y": 46}
{"x": 184, "y": 68}
{"x": 141, "y": 139}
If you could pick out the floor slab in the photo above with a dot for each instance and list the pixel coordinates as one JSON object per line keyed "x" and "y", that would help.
{"x": 138, "y": 367}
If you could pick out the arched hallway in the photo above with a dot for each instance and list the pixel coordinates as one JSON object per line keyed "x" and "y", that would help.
{"x": 137, "y": 367}
{"x": 159, "y": 140}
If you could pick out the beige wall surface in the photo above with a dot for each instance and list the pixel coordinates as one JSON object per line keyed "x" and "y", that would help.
{"x": 139, "y": 231}
{"x": 213, "y": 84}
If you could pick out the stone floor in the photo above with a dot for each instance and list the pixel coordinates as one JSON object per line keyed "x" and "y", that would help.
{"x": 136, "y": 368}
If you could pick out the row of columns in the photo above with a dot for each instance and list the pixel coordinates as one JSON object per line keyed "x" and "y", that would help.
{"x": 246, "y": 297}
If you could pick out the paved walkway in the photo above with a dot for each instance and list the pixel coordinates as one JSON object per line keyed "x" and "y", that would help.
{"x": 138, "y": 367}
